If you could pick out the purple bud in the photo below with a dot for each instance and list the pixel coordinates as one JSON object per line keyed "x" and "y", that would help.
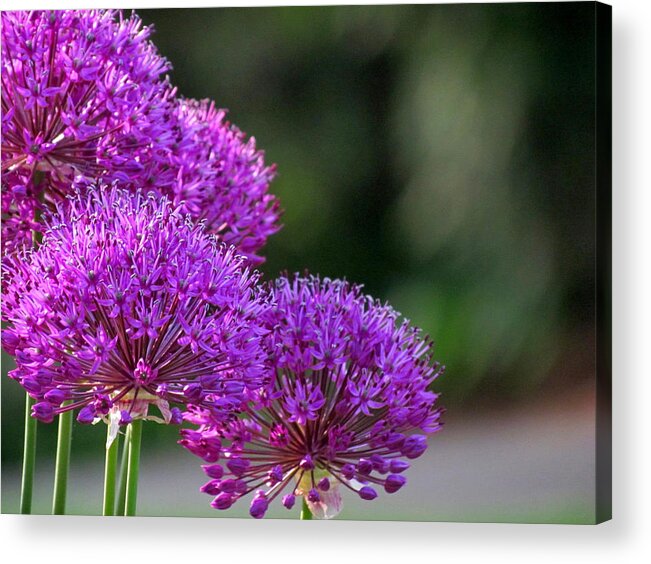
{"x": 313, "y": 496}
{"x": 259, "y": 507}
{"x": 207, "y": 455}
{"x": 43, "y": 377}
{"x": 211, "y": 488}
{"x": 86, "y": 414}
{"x": 233, "y": 387}
{"x": 207, "y": 447}
{"x": 192, "y": 392}
{"x": 348, "y": 471}
{"x": 289, "y": 500}
{"x": 213, "y": 471}
{"x": 212, "y": 443}
{"x": 43, "y": 411}
{"x": 307, "y": 463}
{"x": 125, "y": 417}
{"x": 222, "y": 501}
{"x": 364, "y": 466}
{"x": 380, "y": 464}
{"x": 228, "y": 486}
{"x": 238, "y": 466}
{"x": 367, "y": 493}
{"x": 324, "y": 484}
{"x": 55, "y": 396}
{"x": 10, "y": 341}
{"x": 398, "y": 466}
{"x": 395, "y": 441}
{"x": 394, "y": 482}
{"x": 176, "y": 416}
{"x": 191, "y": 435}
{"x": 276, "y": 474}
{"x": 414, "y": 446}
{"x": 32, "y": 386}
{"x": 209, "y": 381}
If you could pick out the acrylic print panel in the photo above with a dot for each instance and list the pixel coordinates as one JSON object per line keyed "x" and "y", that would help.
{"x": 452, "y": 159}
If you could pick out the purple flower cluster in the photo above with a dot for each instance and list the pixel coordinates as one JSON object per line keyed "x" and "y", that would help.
{"x": 127, "y": 302}
{"x": 351, "y": 387}
{"x": 222, "y": 179}
{"x": 85, "y": 93}
{"x": 153, "y": 209}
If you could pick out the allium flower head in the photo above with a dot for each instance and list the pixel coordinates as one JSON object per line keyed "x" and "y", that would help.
{"x": 348, "y": 407}
{"x": 221, "y": 178}
{"x": 83, "y": 93}
{"x": 127, "y": 303}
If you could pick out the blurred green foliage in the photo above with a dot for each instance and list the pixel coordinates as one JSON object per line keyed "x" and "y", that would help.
{"x": 441, "y": 155}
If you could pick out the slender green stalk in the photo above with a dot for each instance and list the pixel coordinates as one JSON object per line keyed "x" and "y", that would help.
{"x": 135, "y": 439}
{"x": 62, "y": 464}
{"x": 29, "y": 458}
{"x": 110, "y": 471}
{"x": 306, "y": 514}
{"x": 29, "y": 444}
{"x": 124, "y": 464}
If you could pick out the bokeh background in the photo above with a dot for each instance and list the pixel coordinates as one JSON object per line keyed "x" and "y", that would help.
{"x": 443, "y": 156}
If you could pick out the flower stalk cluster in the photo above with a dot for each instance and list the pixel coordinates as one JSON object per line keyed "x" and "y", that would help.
{"x": 128, "y": 303}
{"x": 86, "y": 94}
{"x": 351, "y": 386}
{"x": 132, "y": 220}
{"x": 83, "y": 93}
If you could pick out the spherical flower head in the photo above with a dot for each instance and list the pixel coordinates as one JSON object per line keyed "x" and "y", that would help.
{"x": 350, "y": 403}
{"x": 128, "y": 303}
{"x": 83, "y": 93}
{"x": 221, "y": 178}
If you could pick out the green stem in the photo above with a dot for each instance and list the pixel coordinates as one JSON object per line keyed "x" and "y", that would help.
{"x": 29, "y": 444}
{"x": 306, "y": 514}
{"x": 135, "y": 439}
{"x": 122, "y": 490}
{"x": 29, "y": 458}
{"x": 110, "y": 471}
{"x": 62, "y": 464}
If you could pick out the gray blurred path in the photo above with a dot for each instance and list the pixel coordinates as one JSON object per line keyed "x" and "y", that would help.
{"x": 533, "y": 465}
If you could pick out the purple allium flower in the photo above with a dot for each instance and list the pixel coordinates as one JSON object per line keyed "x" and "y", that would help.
{"x": 83, "y": 93}
{"x": 350, "y": 393}
{"x": 221, "y": 178}
{"x": 125, "y": 303}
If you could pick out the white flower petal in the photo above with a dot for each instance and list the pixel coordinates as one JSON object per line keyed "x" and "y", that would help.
{"x": 330, "y": 505}
{"x": 113, "y": 425}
